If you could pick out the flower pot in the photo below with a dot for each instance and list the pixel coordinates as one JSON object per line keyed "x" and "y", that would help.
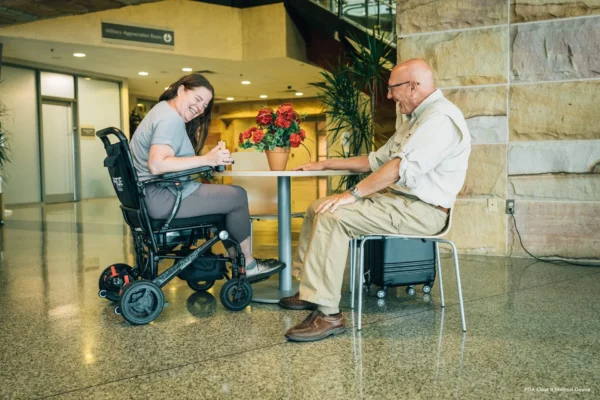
{"x": 278, "y": 158}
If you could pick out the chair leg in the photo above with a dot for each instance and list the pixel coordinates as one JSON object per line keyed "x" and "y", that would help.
{"x": 361, "y": 273}
{"x": 352, "y": 254}
{"x": 439, "y": 266}
{"x": 458, "y": 284}
{"x": 353, "y": 267}
{"x": 251, "y": 235}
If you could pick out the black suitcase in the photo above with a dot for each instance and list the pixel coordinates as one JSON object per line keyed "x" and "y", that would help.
{"x": 391, "y": 262}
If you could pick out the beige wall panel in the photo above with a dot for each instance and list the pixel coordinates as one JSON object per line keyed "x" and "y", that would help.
{"x": 485, "y": 112}
{"x": 574, "y": 187}
{"x": 263, "y": 32}
{"x": 557, "y": 50}
{"x": 556, "y": 228}
{"x": 414, "y": 16}
{"x": 475, "y": 230}
{"x": 479, "y": 102}
{"x": 555, "y": 111}
{"x": 473, "y": 57}
{"x": 535, "y": 10}
{"x": 486, "y": 175}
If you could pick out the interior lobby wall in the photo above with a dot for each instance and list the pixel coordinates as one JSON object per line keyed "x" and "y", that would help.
{"x": 525, "y": 74}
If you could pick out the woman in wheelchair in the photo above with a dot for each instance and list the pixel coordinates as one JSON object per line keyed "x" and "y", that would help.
{"x": 169, "y": 139}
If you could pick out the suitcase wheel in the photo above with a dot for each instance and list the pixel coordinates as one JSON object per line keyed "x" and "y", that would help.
{"x": 411, "y": 291}
{"x": 426, "y": 289}
{"x": 381, "y": 293}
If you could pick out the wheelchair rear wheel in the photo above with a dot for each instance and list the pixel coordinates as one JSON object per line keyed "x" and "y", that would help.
{"x": 141, "y": 302}
{"x": 112, "y": 280}
{"x": 235, "y": 296}
{"x": 200, "y": 286}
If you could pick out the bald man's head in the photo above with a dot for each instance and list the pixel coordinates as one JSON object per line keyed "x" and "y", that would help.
{"x": 411, "y": 82}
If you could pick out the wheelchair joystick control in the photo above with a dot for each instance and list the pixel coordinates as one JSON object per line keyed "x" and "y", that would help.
{"x": 220, "y": 168}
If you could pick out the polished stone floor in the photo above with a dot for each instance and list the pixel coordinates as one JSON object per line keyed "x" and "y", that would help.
{"x": 533, "y": 329}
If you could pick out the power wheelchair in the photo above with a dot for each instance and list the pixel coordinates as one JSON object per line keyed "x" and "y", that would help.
{"x": 138, "y": 289}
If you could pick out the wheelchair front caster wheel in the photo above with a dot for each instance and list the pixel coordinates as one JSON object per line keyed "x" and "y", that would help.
{"x": 235, "y": 296}
{"x": 141, "y": 302}
{"x": 381, "y": 293}
{"x": 411, "y": 291}
{"x": 200, "y": 286}
{"x": 112, "y": 280}
{"x": 426, "y": 289}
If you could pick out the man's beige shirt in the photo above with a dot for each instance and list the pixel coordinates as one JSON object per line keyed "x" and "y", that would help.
{"x": 434, "y": 147}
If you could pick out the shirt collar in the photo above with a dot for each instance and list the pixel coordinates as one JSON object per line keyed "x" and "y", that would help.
{"x": 426, "y": 103}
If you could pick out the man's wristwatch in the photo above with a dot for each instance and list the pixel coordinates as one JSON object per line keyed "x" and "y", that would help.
{"x": 354, "y": 192}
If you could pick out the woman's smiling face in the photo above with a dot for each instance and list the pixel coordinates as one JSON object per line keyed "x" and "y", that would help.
{"x": 191, "y": 103}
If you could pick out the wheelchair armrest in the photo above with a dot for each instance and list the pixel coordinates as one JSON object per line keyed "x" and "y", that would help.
{"x": 188, "y": 172}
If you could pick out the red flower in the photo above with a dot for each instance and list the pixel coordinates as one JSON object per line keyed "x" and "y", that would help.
{"x": 302, "y": 134}
{"x": 295, "y": 140}
{"x": 257, "y": 135}
{"x": 283, "y": 122}
{"x": 248, "y": 133}
{"x": 265, "y": 116}
{"x": 286, "y": 112}
{"x": 241, "y": 138}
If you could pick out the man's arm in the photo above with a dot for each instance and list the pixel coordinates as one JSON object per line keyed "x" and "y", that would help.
{"x": 354, "y": 164}
{"x": 378, "y": 180}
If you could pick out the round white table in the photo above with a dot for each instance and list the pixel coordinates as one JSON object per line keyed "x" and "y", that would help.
{"x": 268, "y": 291}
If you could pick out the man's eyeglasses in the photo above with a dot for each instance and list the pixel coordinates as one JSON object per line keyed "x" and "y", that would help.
{"x": 390, "y": 88}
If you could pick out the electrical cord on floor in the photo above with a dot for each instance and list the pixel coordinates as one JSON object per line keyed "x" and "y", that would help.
{"x": 548, "y": 260}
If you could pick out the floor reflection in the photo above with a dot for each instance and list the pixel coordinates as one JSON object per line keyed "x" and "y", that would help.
{"x": 530, "y": 324}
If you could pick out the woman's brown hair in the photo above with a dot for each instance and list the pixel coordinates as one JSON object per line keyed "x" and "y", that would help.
{"x": 197, "y": 128}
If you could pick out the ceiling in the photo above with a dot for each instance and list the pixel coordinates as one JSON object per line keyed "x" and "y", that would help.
{"x": 277, "y": 78}
{"x": 20, "y": 11}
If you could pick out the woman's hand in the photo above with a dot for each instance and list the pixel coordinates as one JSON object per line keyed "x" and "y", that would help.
{"x": 219, "y": 155}
{"x": 313, "y": 166}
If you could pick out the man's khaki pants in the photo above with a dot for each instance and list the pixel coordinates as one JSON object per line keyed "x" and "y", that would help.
{"x": 324, "y": 239}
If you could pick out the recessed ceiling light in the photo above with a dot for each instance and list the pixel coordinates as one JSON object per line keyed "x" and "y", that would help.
{"x": 78, "y": 55}
{"x": 245, "y": 82}
{"x": 167, "y": 88}
{"x": 142, "y": 73}
{"x": 140, "y": 105}
{"x": 187, "y": 69}
{"x": 87, "y": 79}
{"x": 230, "y": 98}
{"x": 299, "y": 93}
{"x": 263, "y": 96}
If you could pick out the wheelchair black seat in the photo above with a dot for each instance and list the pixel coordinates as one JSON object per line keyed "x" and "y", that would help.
{"x": 188, "y": 241}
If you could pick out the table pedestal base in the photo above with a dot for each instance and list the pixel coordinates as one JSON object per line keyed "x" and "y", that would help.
{"x": 268, "y": 291}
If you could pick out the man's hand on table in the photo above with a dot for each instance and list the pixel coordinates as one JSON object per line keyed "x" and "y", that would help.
{"x": 313, "y": 166}
{"x": 331, "y": 203}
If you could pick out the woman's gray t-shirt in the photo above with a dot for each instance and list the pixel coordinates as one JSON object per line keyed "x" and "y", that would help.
{"x": 162, "y": 125}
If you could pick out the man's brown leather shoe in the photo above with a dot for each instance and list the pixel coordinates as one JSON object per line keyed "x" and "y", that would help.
{"x": 294, "y": 303}
{"x": 317, "y": 326}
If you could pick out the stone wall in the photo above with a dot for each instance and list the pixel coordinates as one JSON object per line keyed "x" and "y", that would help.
{"x": 526, "y": 74}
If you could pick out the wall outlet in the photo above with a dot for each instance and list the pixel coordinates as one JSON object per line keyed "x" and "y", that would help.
{"x": 493, "y": 205}
{"x": 510, "y": 206}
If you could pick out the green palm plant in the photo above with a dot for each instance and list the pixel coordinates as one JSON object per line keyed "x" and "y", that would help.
{"x": 349, "y": 93}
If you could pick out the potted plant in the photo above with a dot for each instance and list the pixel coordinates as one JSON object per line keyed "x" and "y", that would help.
{"x": 349, "y": 93}
{"x": 276, "y": 133}
{"x": 4, "y": 158}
